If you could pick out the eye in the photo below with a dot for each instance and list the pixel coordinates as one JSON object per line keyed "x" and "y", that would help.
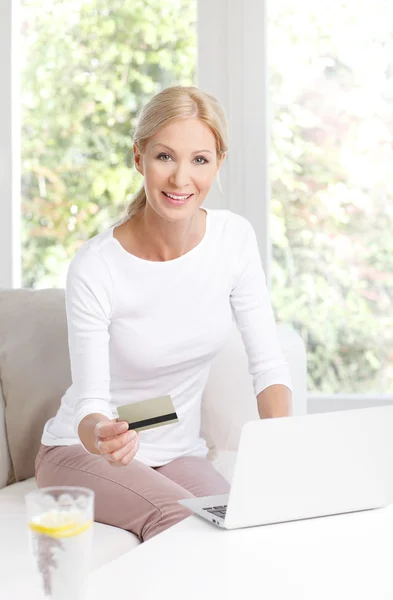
{"x": 201, "y": 158}
{"x": 163, "y": 155}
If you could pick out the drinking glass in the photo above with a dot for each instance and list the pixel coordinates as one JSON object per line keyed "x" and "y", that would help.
{"x": 60, "y": 523}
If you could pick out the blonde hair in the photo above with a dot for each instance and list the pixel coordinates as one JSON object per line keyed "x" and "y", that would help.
{"x": 171, "y": 104}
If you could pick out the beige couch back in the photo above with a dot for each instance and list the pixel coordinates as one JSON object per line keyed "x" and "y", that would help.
{"x": 5, "y": 459}
{"x": 35, "y": 372}
{"x": 34, "y": 368}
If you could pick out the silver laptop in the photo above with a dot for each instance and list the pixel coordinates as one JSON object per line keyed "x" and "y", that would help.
{"x": 292, "y": 468}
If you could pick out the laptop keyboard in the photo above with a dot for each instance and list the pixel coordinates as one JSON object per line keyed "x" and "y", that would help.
{"x": 218, "y": 511}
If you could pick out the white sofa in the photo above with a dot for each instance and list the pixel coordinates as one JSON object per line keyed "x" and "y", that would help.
{"x": 27, "y": 318}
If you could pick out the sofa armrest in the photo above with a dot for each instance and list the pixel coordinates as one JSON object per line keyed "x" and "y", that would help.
{"x": 5, "y": 460}
{"x": 229, "y": 399}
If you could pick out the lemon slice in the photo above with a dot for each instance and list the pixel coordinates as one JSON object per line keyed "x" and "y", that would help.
{"x": 60, "y": 524}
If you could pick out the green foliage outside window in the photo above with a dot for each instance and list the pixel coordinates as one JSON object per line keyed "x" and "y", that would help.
{"x": 331, "y": 86}
{"x": 89, "y": 68}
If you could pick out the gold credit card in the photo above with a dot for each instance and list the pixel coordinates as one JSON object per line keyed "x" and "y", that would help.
{"x": 148, "y": 414}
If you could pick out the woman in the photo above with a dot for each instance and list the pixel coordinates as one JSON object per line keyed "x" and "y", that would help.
{"x": 149, "y": 303}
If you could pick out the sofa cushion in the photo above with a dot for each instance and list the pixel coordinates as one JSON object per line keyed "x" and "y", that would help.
{"x": 229, "y": 400}
{"x": 224, "y": 461}
{"x": 34, "y": 368}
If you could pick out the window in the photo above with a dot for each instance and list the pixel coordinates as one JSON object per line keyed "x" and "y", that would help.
{"x": 331, "y": 91}
{"x": 87, "y": 68}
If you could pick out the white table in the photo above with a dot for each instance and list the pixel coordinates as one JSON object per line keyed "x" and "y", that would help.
{"x": 344, "y": 557}
{"x": 17, "y": 575}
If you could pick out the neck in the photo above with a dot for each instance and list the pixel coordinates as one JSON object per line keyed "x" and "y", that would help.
{"x": 163, "y": 240}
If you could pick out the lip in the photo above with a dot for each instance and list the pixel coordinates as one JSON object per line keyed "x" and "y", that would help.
{"x": 176, "y": 202}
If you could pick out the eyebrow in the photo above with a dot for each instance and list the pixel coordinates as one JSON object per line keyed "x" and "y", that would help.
{"x": 171, "y": 149}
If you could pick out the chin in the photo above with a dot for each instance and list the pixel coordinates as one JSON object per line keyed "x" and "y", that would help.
{"x": 176, "y": 213}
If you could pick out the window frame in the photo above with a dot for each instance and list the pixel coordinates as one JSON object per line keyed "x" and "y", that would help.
{"x": 231, "y": 46}
{"x": 10, "y": 251}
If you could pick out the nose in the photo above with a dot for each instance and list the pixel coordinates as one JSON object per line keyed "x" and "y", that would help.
{"x": 180, "y": 176}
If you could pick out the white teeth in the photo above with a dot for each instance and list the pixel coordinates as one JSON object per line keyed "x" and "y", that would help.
{"x": 177, "y": 197}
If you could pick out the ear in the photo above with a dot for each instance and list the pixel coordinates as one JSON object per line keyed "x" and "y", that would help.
{"x": 138, "y": 161}
{"x": 221, "y": 160}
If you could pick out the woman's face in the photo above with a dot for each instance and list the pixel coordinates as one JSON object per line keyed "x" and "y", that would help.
{"x": 179, "y": 161}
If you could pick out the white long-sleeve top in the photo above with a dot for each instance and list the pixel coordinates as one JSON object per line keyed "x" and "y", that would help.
{"x": 139, "y": 329}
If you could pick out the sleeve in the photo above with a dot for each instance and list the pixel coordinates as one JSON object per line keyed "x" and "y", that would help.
{"x": 255, "y": 320}
{"x": 88, "y": 307}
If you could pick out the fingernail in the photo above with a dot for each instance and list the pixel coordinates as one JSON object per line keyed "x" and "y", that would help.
{"x": 123, "y": 426}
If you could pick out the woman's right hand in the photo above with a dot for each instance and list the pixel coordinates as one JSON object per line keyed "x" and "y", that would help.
{"x": 115, "y": 442}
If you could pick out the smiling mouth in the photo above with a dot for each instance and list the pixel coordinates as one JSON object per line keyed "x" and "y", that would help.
{"x": 178, "y": 197}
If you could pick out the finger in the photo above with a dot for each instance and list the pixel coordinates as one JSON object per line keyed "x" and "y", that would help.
{"x": 131, "y": 450}
{"x": 114, "y": 437}
{"x": 119, "y": 454}
{"x": 128, "y": 457}
{"x": 113, "y": 444}
{"x": 105, "y": 429}
{"x": 110, "y": 441}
